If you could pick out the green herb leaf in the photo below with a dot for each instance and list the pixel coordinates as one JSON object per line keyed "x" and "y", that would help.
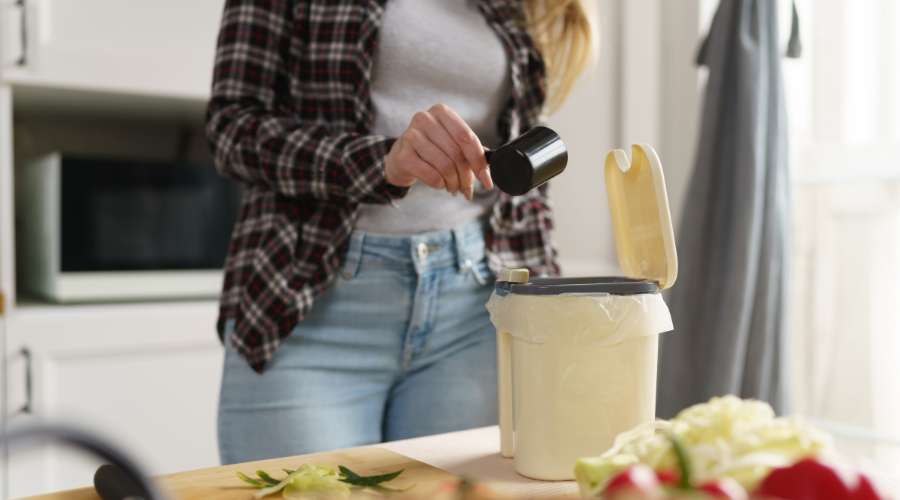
{"x": 316, "y": 476}
{"x": 348, "y": 474}
{"x": 266, "y": 484}
{"x": 684, "y": 464}
{"x": 267, "y": 478}
{"x": 350, "y": 477}
{"x": 249, "y": 480}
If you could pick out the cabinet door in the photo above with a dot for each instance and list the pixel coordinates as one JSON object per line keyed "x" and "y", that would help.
{"x": 153, "y": 47}
{"x": 4, "y": 408}
{"x": 145, "y": 377}
{"x": 20, "y": 468}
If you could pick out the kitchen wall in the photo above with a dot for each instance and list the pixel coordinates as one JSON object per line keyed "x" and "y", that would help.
{"x": 644, "y": 88}
{"x": 588, "y": 124}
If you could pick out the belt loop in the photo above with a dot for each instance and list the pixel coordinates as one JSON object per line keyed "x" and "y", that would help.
{"x": 463, "y": 261}
{"x": 353, "y": 256}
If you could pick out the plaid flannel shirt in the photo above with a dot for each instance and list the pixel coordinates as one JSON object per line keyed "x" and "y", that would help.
{"x": 290, "y": 118}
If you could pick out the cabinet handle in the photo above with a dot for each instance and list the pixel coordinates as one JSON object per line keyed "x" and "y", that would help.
{"x": 23, "y": 18}
{"x": 27, "y": 408}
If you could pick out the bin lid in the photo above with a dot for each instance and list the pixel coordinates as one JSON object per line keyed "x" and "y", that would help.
{"x": 641, "y": 219}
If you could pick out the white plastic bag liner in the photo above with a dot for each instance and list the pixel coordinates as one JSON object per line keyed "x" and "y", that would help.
{"x": 594, "y": 319}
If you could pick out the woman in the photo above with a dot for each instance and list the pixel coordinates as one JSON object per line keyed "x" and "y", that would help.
{"x": 353, "y": 303}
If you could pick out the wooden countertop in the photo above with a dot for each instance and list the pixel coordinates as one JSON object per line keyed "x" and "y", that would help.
{"x": 429, "y": 464}
{"x": 222, "y": 482}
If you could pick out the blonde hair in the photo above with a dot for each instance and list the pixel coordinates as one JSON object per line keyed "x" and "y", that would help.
{"x": 564, "y": 34}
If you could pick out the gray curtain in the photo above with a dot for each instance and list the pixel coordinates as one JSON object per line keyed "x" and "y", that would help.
{"x": 728, "y": 304}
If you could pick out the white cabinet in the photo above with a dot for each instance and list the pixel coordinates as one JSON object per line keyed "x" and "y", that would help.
{"x": 145, "y": 47}
{"x": 6, "y": 198}
{"x": 145, "y": 376}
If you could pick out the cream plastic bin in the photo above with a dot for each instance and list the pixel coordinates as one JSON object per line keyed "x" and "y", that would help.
{"x": 577, "y": 356}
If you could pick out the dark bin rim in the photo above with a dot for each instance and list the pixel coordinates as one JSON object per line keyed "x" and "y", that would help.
{"x": 612, "y": 285}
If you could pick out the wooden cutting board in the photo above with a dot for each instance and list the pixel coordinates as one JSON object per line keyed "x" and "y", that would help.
{"x": 222, "y": 482}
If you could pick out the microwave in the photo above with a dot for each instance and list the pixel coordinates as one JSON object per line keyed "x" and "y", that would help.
{"x": 93, "y": 229}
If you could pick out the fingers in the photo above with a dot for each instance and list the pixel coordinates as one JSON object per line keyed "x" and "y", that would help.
{"x": 485, "y": 177}
{"x": 442, "y": 151}
{"x": 426, "y": 138}
{"x": 466, "y": 140}
{"x": 427, "y": 174}
{"x": 418, "y": 168}
{"x": 439, "y": 136}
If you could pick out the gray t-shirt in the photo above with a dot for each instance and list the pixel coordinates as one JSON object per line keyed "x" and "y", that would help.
{"x": 429, "y": 52}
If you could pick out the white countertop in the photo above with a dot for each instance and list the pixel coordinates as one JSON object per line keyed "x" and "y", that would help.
{"x": 475, "y": 454}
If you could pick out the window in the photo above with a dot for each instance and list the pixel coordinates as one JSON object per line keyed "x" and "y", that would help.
{"x": 843, "y": 100}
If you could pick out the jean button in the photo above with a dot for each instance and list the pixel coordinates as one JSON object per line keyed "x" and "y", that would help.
{"x": 422, "y": 250}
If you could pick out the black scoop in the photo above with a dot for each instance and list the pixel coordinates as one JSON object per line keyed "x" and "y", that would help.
{"x": 528, "y": 161}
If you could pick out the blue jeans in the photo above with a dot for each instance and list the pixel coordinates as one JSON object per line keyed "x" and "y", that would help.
{"x": 400, "y": 346}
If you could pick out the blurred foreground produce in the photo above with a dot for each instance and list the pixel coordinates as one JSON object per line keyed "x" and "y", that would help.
{"x": 811, "y": 478}
{"x": 725, "y": 438}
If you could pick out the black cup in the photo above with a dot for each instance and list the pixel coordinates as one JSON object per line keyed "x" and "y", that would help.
{"x": 528, "y": 161}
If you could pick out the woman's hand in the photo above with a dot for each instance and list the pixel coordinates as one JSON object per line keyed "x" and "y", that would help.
{"x": 439, "y": 149}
